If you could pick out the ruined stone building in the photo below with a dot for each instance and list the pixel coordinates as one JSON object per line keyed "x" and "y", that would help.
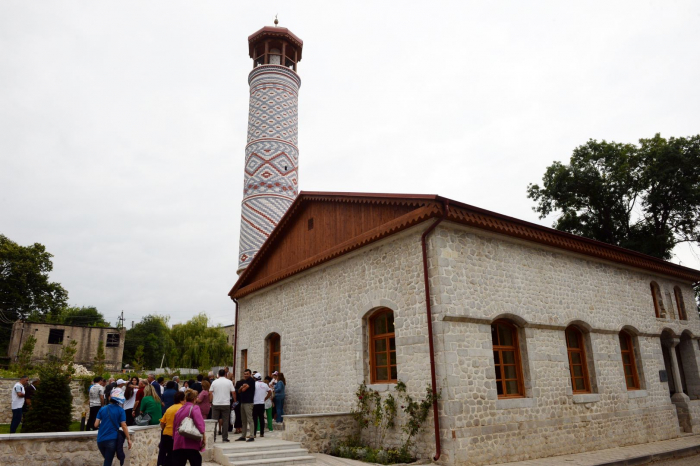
{"x": 540, "y": 342}
{"x": 50, "y": 339}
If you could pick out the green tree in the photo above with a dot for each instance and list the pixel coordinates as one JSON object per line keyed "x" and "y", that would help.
{"x": 153, "y": 334}
{"x": 86, "y": 316}
{"x": 642, "y": 197}
{"x": 53, "y": 402}
{"x": 24, "y": 284}
{"x": 198, "y": 344}
{"x": 99, "y": 361}
{"x": 25, "y": 355}
{"x": 138, "y": 359}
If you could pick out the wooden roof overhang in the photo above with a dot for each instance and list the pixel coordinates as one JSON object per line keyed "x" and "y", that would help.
{"x": 274, "y": 33}
{"x": 432, "y": 206}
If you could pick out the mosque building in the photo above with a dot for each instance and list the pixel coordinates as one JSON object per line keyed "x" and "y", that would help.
{"x": 539, "y": 342}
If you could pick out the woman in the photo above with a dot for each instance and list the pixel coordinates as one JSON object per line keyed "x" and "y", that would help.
{"x": 151, "y": 405}
{"x": 185, "y": 386}
{"x": 268, "y": 403}
{"x": 279, "y": 396}
{"x": 203, "y": 399}
{"x": 168, "y": 397}
{"x": 185, "y": 449}
{"x": 165, "y": 452}
{"x": 109, "y": 418}
{"x": 130, "y": 396}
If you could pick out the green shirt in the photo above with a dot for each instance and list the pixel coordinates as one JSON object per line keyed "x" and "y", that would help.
{"x": 151, "y": 407}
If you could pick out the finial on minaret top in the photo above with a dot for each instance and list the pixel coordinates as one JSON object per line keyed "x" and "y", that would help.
{"x": 276, "y": 22}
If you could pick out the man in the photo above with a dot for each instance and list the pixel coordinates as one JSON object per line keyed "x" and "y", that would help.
{"x": 161, "y": 382}
{"x": 156, "y": 385}
{"x": 97, "y": 399}
{"x": 262, "y": 394}
{"x": 176, "y": 379}
{"x": 30, "y": 389}
{"x": 246, "y": 398}
{"x": 198, "y": 384}
{"x": 220, "y": 394}
{"x": 18, "y": 394}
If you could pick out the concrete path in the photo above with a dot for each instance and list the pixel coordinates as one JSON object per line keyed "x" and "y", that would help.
{"x": 634, "y": 454}
{"x": 622, "y": 456}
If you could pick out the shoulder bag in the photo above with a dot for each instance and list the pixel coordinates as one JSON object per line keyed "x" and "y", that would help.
{"x": 187, "y": 428}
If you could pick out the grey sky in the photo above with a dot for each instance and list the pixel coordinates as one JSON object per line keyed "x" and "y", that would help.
{"x": 123, "y": 124}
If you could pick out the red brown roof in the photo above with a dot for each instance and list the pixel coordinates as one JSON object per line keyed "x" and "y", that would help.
{"x": 321, "y": 226}
{"x": 274, "y": 32}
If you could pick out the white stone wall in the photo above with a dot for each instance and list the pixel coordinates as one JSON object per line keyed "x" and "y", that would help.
{"x": 476, "y": 277}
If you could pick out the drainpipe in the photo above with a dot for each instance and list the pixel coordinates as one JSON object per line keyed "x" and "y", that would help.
{"x": 423, "y": 238}
{"x": 235, "y": 341}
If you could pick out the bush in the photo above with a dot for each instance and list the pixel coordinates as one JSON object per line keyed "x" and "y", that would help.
{"x": 52, "y": 403}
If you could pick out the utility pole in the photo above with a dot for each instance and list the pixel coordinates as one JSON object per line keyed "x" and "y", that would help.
{"x": 120, "y": 319}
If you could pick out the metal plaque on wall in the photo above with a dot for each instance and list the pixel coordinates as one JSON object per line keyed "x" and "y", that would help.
{"x": 663, "y": 376}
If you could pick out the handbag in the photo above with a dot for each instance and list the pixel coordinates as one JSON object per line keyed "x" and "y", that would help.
{"x": 187, "y": 428}
{"x": 143, "y": 419}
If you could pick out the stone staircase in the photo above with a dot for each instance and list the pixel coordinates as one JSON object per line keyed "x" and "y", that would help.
{"x": 263, "y": 451}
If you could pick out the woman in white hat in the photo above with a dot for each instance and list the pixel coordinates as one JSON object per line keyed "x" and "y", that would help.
{"x": 109, "y": 418}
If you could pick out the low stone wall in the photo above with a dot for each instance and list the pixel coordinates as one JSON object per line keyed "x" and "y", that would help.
{"x": 317, "y": 431}
{"x": 76, "y": 448}
{"x": 80, "y": 401}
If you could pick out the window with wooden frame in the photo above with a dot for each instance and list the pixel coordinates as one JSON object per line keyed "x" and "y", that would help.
{"x": 274, "y": 349}
{"x": 629, "y": 363}
{"x": 576, "y": 350}
{"x": 658, "y": 302}
{"x": 382, "y": 347}
{"x": 506, "y": 356}
{"x": 680, "y": 304}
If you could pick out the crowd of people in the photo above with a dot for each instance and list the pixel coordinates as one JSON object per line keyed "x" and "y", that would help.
{"x": 180, "y": 409}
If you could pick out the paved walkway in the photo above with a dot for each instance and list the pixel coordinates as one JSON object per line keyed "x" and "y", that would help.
{"x": 642, "y": 454}
{"x": 652, "y": 451}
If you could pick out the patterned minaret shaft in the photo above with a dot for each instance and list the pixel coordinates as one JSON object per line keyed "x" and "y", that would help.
{"x": 271, "y": 155}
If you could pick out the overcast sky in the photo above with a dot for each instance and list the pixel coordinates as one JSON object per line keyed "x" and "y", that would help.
{"x": 123, "y": 124}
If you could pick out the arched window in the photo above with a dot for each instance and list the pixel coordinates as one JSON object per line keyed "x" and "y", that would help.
{"x": 629, "y": 363}
{"x": 382, "y": 347}
{"x": 506, "y": 356}
{"x": 274, "y": 350}
{"x": 658, "y": 302}
{"x": 577, "y": 360}
{"x": 680, "y": 304}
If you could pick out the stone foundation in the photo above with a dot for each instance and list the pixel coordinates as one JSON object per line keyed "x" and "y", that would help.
{"x": 688, "y": 415}
{"x": 317, "y": 431}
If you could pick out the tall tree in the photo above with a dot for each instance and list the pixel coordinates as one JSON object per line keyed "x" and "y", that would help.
{"x": 25, "y": 286}
{"x": 199, "y": 345}
{"x": 642, "y": 197}
{"x": 99, "y": 361}
{"x": 153, "y": 334}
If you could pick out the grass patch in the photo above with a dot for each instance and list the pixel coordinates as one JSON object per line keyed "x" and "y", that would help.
{"x": 5, "y": 428}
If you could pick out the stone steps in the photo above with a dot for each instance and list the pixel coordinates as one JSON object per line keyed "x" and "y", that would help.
{"x": 261, "y": 452}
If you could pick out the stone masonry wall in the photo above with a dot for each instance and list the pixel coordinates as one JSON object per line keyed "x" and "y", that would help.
{"x": 80, "y": 401}
{"x": 476, "y": 277}
{"x": 316, "y": 432}
{"x": 76, "y": 448}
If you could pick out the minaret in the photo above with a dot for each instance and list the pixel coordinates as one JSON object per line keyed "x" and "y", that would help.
{"x": 271, "y": 154}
